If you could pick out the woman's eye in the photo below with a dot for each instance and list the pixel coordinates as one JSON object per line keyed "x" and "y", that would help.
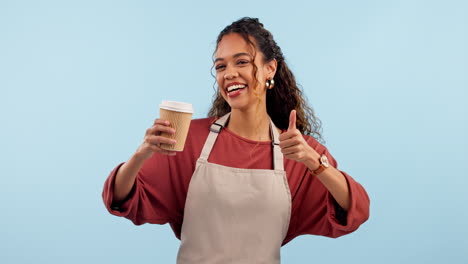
{"x": 242, "y": 62}
{"x": 219, "y": 67}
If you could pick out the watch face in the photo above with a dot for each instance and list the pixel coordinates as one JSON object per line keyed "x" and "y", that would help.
{"x": 324, "y": 161}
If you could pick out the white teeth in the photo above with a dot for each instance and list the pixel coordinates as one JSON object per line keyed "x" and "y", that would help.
{"x": 234, "y": 87}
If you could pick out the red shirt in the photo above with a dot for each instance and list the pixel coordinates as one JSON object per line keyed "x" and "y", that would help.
{"x": 160, "y": 189}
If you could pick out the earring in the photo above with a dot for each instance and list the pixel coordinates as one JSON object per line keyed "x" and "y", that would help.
{"x": 270, "y": 84}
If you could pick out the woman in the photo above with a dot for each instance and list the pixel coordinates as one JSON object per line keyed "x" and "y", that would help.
{"x": 248, "y": 180}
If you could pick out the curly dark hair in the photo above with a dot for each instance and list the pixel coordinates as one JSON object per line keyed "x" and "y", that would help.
{"x": 286, "y": 95}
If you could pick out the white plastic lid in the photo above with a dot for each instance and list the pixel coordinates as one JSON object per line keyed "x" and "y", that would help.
{"x": 177, "y": 106}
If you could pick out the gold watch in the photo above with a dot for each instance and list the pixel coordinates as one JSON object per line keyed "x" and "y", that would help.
{"x": 323, "y": 165}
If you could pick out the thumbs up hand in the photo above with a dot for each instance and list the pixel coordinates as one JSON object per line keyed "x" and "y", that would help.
{"x": 293, "y": 145}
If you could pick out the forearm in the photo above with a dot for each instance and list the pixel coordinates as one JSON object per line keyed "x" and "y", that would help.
{"x": 336, "y": 184}
{"x": 333, "y": 180}
{"x": 125, "y": 178}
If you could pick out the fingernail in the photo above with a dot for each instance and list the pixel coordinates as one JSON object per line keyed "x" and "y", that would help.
{"x": 173, "y": 141}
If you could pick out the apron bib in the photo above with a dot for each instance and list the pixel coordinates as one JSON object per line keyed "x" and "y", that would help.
{"x": 235, "y": 215}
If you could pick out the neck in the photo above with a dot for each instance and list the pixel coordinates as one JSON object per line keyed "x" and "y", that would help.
{"x": 252, "y": 124}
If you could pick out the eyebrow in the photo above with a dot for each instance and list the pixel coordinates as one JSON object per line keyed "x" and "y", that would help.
{"x": 235, "y": 56}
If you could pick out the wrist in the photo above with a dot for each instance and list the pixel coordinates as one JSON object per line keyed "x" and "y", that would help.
{"x": 323, "y": 165}
{"x": 313, "y": 161}
{"x": 138, "y": 158}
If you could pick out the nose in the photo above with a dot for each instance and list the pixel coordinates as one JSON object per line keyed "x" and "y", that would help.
{"x": 229, "y": 75}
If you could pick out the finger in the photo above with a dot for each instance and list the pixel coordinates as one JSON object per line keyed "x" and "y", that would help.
{"x": 158, "y": 129}
{"x": 162, "y": 122}
{"x": 294, "y": 156}
{"x": 290, "y": 156}
{"x": 285, "y": 135}
{"x": 292, "y": 120}
{"x": 289, "y": 142}
{"x": 294, "y": 153}
{"x": 160, "y": 150}
{"x": 290, "y": 150}
{"x": 289, "y": 134}
{"x": 157, "y": 140}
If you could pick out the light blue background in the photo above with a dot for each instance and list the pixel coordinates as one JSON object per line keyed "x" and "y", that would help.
{"x": 81, "y": 81}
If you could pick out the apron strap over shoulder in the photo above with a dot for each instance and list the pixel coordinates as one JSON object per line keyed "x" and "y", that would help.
{"x": 277, "y": 155}
{"x": 214, "y": 131}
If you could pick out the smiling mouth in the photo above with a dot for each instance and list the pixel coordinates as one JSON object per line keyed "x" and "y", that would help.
{"x": 236, "y": 87}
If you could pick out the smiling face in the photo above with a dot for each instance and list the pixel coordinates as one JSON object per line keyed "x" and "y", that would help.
{"x": 234, "y": 65}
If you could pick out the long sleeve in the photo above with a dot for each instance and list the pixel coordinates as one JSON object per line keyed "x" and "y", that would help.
{"x": 161, "y": 185}
{"x": 315, "y": 211}
{"x": 151, "y": 199}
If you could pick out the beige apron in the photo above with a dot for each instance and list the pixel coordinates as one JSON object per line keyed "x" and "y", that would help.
{"x": 235, "y": 215}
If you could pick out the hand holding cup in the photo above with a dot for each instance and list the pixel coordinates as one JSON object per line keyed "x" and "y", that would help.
{"x": 153, "y": 140}
{"x": 168, "y": 134}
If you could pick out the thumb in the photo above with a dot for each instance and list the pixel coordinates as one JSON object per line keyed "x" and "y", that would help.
{"x": 292, "y": 120}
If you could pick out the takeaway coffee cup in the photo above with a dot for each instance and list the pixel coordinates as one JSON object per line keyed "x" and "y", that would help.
{"x": 179, "y": 115}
